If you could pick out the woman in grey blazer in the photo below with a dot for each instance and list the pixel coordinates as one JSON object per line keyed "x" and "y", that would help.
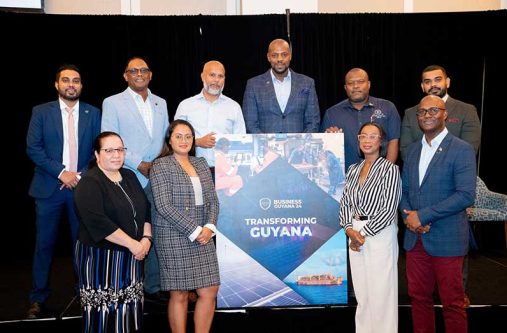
{"x": 187, "y": 210}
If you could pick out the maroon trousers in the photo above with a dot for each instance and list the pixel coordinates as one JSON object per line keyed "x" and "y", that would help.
{"x": 423, "y": 273}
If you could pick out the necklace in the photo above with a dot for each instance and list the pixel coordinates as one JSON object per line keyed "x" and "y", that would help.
{"x": 130, "y": 202}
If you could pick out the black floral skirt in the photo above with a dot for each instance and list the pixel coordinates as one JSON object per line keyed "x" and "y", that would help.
{"x": 110, "y": 288}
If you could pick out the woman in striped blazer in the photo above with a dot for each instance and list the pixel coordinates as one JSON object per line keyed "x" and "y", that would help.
{"x": 187, "y": 210}
{"x": 369, "y": 216}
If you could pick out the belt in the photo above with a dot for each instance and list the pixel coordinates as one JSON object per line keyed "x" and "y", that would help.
{"x": 361, "y": 217}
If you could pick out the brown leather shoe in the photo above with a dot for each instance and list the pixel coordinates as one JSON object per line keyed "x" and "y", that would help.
{"x": 466, "y": 302}
{"x": 34, "y": 311}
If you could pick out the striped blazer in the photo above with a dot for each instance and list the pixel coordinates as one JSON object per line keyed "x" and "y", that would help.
{"x": 377, "y": 198}
{"x": 174, "y": 197}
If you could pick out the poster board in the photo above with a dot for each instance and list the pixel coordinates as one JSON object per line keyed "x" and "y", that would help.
{"x": 279, "y": 242}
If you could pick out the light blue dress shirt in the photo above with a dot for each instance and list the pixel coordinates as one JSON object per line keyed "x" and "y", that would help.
{"x": 282, "y": 89}
{"x": 222, "y": 116}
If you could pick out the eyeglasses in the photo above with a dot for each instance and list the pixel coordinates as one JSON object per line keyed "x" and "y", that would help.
{"x": 111, "y": 151}
{"x": 135, "y": 71}
{"x": 431, "y": 111}
{"x": 370, "y": 137}
{"x": 187, "y": 138}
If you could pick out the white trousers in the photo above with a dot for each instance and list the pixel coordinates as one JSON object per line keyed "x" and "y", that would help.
{"x": 375, "y": 277}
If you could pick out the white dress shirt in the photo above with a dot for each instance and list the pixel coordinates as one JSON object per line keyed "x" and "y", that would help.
{"x": 65, "y": 117}
{"x": 144, "y": 107}
{"x": 428, "y": 151}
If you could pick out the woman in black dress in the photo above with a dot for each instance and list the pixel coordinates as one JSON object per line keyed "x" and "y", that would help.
{"x": 114, "y": 238}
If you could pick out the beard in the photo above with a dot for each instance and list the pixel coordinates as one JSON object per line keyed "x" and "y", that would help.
{"x": 69, "y": 96}
{"x": 436, "y": 91}
{"x": 280, "y": 72}
{"x": 358, "y": 98}
{"x": 213, "y": 91}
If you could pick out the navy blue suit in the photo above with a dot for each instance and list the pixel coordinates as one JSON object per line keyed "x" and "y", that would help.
{"x": 45, "y": 148}
{"x": 262, "y": 112}
{"x": 434, "y": 258}
{"x": 447, "y": 189}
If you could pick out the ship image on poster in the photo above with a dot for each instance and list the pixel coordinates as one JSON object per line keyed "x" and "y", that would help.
{"x": 279, "y": 242}
{"x": 319, "y": 280}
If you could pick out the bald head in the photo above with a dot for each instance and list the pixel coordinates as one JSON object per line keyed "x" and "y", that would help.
{"x": 213, "y": 79}
{"x": 213, "y": 64}
{"x": 357, "y": 72}
{"x": 279, "y": 43}
{"x": 432, "y": 101}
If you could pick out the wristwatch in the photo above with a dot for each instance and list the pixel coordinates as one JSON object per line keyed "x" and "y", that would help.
{"x": 362, "y": 233}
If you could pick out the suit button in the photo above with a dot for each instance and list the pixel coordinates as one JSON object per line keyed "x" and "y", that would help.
{"x": 283, "y": 117}
{"x": 186, "y": 208}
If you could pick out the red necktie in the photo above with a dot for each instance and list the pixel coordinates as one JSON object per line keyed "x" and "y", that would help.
{"x": 71, "y": 133}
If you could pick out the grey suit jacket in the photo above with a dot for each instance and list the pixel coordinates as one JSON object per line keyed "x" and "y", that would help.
{"x": 447, "y": 189}
{"x": 174, "y": 197}
{"x": 262, "y": 112}
{"x": 462, "y": 121}
{"x": 120, "y": 115}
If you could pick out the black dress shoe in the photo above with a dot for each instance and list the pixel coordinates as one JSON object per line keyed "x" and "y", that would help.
{"x": 34, "y": 311}
{"x": 158, "y": 297}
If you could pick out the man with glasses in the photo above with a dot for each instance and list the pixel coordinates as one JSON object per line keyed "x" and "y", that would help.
{"x": 349, "y": 115}
{"x": 211, "y": 112}
{"x": 462, "y": 120}
{"x": 438, "y": 184}
{"x": 59, "y": 142}
{"x": 141, "y": 119}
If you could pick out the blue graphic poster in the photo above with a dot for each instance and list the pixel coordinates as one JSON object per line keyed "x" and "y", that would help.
{"x": 279, "y": 241}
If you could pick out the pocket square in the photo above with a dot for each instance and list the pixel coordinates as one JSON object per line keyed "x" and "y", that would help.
{"x": 304, "y": 91}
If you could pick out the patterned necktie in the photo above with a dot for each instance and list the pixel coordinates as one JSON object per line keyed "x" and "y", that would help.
{"x": 71, "y": 133}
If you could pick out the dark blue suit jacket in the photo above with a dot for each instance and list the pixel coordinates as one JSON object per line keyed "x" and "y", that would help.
{"x": 262, "y": 112}
{"x": 447, "y": 189}
{"x": 45, "y": 144}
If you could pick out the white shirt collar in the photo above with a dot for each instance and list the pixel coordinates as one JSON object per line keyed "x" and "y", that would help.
{"x": 63, "y": 106}
{"x": 436, "y": 140}
{"x": 136, "y": 95}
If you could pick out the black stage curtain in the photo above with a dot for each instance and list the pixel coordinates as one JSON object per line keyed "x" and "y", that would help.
{"x": 393, "y": 48}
